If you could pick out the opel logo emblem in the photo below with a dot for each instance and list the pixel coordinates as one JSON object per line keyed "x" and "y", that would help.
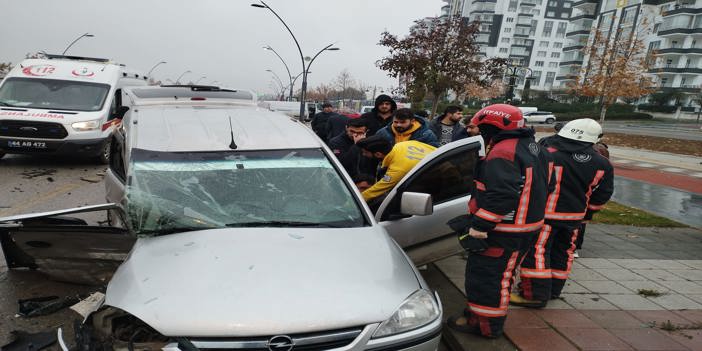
{"x": 280, "y": 343}
{"x": 29, "y": 129}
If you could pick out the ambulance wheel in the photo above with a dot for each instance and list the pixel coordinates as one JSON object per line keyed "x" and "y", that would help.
{"x": 104, "y": 157}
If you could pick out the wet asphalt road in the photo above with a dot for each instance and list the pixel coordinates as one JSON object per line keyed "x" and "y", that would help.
{"x": 35, "y": 184}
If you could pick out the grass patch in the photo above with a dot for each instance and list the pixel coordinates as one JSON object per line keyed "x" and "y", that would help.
{"x": 650, "y": 293}
{"x": 615, "y": 213}
{"x": 680, "y": 329}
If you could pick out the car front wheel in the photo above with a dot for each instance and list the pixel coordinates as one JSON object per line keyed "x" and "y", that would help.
{"x": 104, "y": 157}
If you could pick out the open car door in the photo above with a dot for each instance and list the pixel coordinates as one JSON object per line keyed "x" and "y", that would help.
{"x": 442, "y": 183}
{"x": 65, "y": 248}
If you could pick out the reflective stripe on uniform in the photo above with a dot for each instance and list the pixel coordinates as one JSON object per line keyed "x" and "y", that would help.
{"x": 595, "y": 207}
{"x": 507, "y": 280}
{"x": 553, "y": 198}
{"x": 480, "y": 185}
{"x": 565, "y": 216}
{"x": 518, "y": 228}
{"x": 523, "y": 208}
{"x": 593, "y": 186}
{"x": 535, "y": 273}
{"x": 488, "y": 216}
{"x": 540, "y": 247}
{"x": 487, "y": 311}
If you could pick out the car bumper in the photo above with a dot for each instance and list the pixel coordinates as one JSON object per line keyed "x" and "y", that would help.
{"x": 80, "y": 147}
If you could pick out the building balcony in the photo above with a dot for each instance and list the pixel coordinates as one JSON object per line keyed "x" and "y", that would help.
{"x": 676, "y": 70}
{"x": 679, "y": 31}
{"x": 582, "y": 17}
{"x": 529, "y": 3}
{"x": 575, "y": 62}
{"x": 567, "y": 78}
{"x": 573, "y": 48}
{"x": 692, "y": 10}
{"x": 585, "y": 3}
{"x": 679, "y": 51}
{"x": 580, "y": 32}
{"x": 519, "y": 51}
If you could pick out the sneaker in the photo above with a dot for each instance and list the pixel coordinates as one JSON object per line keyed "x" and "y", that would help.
{"x": 575, "y": 254}
{"x": 517, "y": 300}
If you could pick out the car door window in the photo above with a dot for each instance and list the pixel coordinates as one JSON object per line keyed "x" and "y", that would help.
{"x": 117, "y": 159}
{"x": 446, "y": 178}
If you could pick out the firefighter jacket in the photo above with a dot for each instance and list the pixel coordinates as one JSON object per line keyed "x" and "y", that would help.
{"x": 398, "y": 163}
{"x": 584, "y": 180}
{"x": 511, "y": 184}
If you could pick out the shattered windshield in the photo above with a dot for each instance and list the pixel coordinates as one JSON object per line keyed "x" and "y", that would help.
{"x": 174, "y": 192}
{"x": 53, "y": 94}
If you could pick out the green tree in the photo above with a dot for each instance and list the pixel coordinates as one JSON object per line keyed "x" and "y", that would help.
{"x": 438, "y": 55}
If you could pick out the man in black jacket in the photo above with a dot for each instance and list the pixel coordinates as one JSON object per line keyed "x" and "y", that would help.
{"x": 380, "y": 115}
{"x": 584, "y": 182}
{"x": 507, "y": 206}
{"x": 321, "y": 119}
{"x": 447, "y": 127}
{"x": 344, "y": 148}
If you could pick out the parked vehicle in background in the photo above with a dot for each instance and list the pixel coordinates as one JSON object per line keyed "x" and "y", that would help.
{"x": 290, "y": 108}
{"x": 365, "y": 109}
{"x": 526, "y": 110}
{"x": 63, "y": 105}
{"x": 540, "y": 117}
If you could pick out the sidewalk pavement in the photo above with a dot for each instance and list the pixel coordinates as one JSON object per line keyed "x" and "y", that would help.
{"x": 607, "y": 302}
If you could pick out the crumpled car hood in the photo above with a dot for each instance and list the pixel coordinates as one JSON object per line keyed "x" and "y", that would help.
{"x": 262, "y": 281}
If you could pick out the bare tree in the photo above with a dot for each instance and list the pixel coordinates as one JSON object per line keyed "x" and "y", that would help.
{"x": 618, "y": 66}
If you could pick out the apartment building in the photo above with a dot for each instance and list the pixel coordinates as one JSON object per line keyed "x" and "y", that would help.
{"x": 529, "y": 33}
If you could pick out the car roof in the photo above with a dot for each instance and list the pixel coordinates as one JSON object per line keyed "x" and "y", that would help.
{"x": 189, "y": 94}
{"x": 207, "y": 128}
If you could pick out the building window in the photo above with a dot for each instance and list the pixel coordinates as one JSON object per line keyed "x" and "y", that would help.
{"x": 541, "y": 54}
{"x": 550, "y": 14}
{"x": 561, "y": 30}
{"x": 539, "y": 63}
{"x": 564, "y": 15}
{"x": 553, "y": 3}
{"x": 557, "y": 45}
{"x": 505, "y": 40}
{"x": 536, "y": 78}
{"x": 503, "y": 50}
{"x": 567, "y": 4}
{"x": 509, "y": 19}
{"x": 512, "y": 5}
{"x": 507, "y": 30}
{"x": 555, "y": 54}
{"x": 548, "y": 28}
{"x": 543, "y": 44}
{"x": 553, "y": 65}
{"x": 550, "y": 77}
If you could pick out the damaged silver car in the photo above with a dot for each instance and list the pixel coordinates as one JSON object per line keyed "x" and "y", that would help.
{"x": 236, "y": 228}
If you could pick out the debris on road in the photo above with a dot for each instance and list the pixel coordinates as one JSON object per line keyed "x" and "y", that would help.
{"x": 91, "y": 179}
{"x": 24, "y": 341}
{"x": 88, "y": 305}
{"x": 40, "y": 306}
{"x": 38, "y": 173}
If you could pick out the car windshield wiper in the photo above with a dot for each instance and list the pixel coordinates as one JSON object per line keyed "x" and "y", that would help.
{"x": 281, "y": 224}
{"x": 172, "y": 230}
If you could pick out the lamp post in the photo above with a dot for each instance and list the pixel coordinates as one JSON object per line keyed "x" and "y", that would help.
{"x": 277, "y": 80}
{"x": 268, "y": 47}
{"x": 513, "y": 73}
{"x": 305, "y": 72}
{"x": 154, "y": 67}
{"x": 177, "y": 81}
{"x": 263, "y": 5}
{"x": 85, "y": 35}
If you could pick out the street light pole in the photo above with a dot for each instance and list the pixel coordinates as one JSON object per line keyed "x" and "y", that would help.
{"x": 86, "y": 35}
{"x": 177, "y": 81}
{"x": 268, "y": 47}
{"x": 302, "y": 57}
{"x": 306, "y": 71}
{"x": 154, "y": 67}
{"x": 277, "y": 79}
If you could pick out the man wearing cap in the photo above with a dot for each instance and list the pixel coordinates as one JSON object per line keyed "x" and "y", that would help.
{"x": 321, "y": 119}
{"x": 584, "y": 182}
{"x": 380, "y": 115}
{"x": 507, "y": 205}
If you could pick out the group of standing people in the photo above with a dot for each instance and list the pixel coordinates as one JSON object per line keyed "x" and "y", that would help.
{"x": 527, "y": 208}
{"x": 529, "y": 200}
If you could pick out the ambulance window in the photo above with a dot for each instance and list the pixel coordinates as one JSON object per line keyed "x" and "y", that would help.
{"x": 116, "y": 103}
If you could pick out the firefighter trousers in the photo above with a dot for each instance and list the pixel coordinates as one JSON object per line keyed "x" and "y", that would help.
{"x": 548, "y": 262}
{"x": 489, "y": 277}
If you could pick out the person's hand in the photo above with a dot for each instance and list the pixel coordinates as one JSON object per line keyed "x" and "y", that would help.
{"x": 357, "y": 137}
{"x": 477, "y": 234}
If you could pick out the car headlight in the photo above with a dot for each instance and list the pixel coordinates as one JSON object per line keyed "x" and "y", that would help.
{"x": 113, "y": 329}
{"x": 416, "y": 311}
{"x": 86, "y": 126}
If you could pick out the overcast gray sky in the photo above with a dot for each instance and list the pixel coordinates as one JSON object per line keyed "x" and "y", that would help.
{"x": 215, "y": 38}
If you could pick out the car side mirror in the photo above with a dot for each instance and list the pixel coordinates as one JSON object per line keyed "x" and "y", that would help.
{"x": 419, "y": 204}
{"x": 119, "y": 114}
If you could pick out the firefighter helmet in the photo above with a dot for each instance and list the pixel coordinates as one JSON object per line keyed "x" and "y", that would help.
{"x": 584, "y": 129}
{"x": 502, "y": 116}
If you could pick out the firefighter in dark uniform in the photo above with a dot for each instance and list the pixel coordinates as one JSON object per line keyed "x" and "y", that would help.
{"x": 507, "y": 206}
{"x": 584, "y": 182}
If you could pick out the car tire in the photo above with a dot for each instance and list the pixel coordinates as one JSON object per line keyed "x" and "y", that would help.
{"x": 550, "y": 120}
{"x": 104, "y": 156}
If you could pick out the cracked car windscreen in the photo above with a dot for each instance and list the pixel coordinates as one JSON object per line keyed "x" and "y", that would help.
{"x": 173, "y": 192}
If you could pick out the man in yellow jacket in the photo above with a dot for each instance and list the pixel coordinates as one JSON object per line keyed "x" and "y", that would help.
{"x": 397, "y": 161}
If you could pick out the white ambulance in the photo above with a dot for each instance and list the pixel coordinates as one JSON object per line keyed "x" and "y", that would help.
{"x": 63, "y": 105}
